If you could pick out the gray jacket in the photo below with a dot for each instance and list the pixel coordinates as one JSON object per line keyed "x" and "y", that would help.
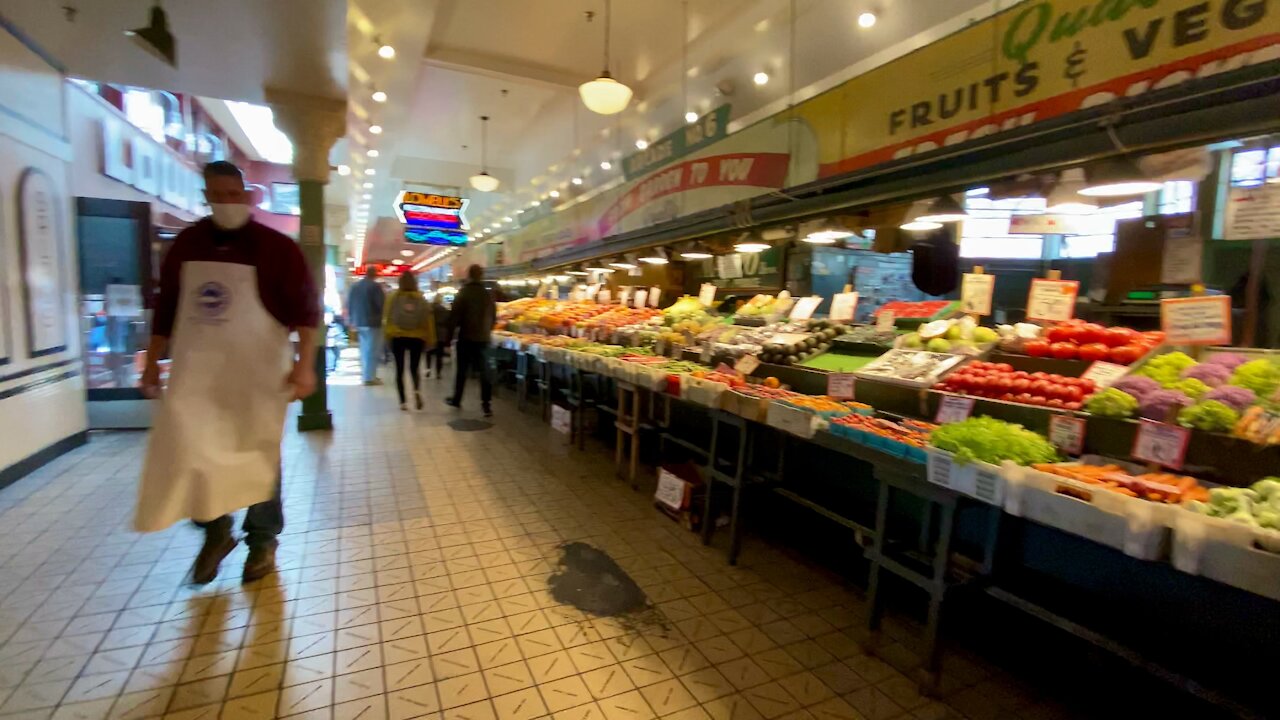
{"x": 364, "y": 306}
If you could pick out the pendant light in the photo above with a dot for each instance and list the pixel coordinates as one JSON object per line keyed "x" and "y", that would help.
{"x": 155, "y": 37}
{"x": 914, "y": 223}
{"x": 622, "y": 263}
{"x": 697, "y": 251}
{"x": 604, "y": 95}
{"x": 1117, "y": 178}
{"x": 944, "y": 209}
{"x": 483, "y": 181}
{"x": 746, "y": 245}
{"x": 656, "y": 256}
{"x": 1065, "y": 199}
{"x": 828, "y": 235}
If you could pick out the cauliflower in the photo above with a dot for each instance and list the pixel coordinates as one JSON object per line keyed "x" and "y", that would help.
{"x": 1190, "y": 387}
{"x": 1260, "y": 376}
{"x": 1136, "y": 385}
{"x": 1159, "y": 404}
{"x": 1229, "y": 360}
{"x": 1112, "y": 403}
{"x": 1237, "y": 397}
{"x": 1211, "y": 375}
{"x": 1210, "y": 416}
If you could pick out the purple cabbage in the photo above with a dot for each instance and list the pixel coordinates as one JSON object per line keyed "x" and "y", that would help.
{"x": 1211, "y": 375}
{"x": 1228, "y": 360}
{"x": 1137, "y": 385}
{"x": 1158, "y": 404}
{"x": 1237, "y": 398}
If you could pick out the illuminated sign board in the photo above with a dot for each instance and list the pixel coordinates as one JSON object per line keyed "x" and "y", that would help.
{"x": 415, "y": 236}
{"x": 432, "y": 219}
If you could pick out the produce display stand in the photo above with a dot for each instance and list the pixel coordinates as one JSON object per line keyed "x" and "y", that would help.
{"x": 628, "y": 427}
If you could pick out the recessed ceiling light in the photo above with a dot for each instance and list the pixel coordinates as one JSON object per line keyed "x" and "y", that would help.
{"x": 397, "y": 261}
{"x": 506, "y": 219}
{"x": 576, "y": 181}
{"x": 386, "y": 52}
{"x": 349, "y": 236}
{"x": 535, "y": 203}
{"x": 375, "y": 129}
{"x": 370, "y": 171}
{"x": 344, "y": 170}
{"x": 641, "y": 144}
{"x": 606, "y": 165}
{"x": 372, "y": 153}
{"x": 406, "y": 253}
{"x": 691, "y": 117}
{"x": 554, "y": 194}
{"x": 367, "y": 185}
{"x": 367, "y": 196}
{"x": 379, "y": 96}
{"x": 866, "y": 20}
{"x": 760, "y": 78}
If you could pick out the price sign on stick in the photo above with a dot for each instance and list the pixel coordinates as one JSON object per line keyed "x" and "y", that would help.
{"x": 954, "y": 408}
{"x": 1104, "y": 374}
{"x": 624, "y": 295}
{"x": 804, "y": 308}
{"x": 604, "y": 296}
{"x": 1067, "y": 433}
{"x": 655, "y": 296}
{"x": 707, "y": 295}
{"x": 642, "y": 296}
{"x": 747, "y": 364}
{"x": 884, "y": 322}
{"x": 840, "y": 386}
{"x": 1052, "y": 300}
{"x": 1197, "y": 320}
{"x": 1162, "y": 444}
{"x": 976, "y": 292}
{"x": 843, "y": 306}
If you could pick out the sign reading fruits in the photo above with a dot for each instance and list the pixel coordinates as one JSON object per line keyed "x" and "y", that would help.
{"x": 1162, "y": 444}
{"x": 1052, "y": 300}
{"x": 1197, "y": 320}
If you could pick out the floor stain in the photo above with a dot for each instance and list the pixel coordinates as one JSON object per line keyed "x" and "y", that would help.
{"x": 591, "y": 581}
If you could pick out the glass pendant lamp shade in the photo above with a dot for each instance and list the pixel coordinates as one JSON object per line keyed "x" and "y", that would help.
{"x": 604, "y": 95}
{"x": 484, "y": 182}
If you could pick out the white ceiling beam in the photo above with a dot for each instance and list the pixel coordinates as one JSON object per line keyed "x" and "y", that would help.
{"x": 502, "y": 68}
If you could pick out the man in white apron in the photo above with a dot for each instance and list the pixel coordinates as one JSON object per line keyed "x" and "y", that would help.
{"x": 231, "y": 290}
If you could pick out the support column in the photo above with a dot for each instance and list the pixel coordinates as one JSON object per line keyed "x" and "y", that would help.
{"x": 312, "y": 124}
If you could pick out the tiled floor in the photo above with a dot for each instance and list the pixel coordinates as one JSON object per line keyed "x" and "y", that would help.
{"x": 414, "y": 581}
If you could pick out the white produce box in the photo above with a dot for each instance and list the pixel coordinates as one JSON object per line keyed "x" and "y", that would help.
{"x": 1139, "y": 528}
{"x": 1227, "y": 552}
{"x": 978, "y": 480}
{"x": 707, "y": 393}
{"x": 794, "y": 420}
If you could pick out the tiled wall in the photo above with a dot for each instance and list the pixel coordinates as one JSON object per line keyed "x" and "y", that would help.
{"x": 42, "y": 398}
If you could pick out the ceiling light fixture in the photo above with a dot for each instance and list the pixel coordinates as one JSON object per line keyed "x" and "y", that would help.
{"x": 370, "y": 171}
{"x": 375, "y": 129}
{"x": 576, "y": 181}
{"x": 372, "y": 153}
{"x": 379, "y": 96}
{"x": 1065, "y": 198}
{"x": 826, "y": 237}
{"x": 622, "y": 264}
{"x": 397, "y": 261}
{"x": 535, "y": 203}
{"x": 1117, "y": 178}
{"x": 656, "y": 256}
{"x": 697, "y": 251}
{"x": 919, "y": 226}
{"x": 344, "y": 170}
{"x": 367, "y": 196}
{"x": 483, "y": 181}
{"x": 691, "y": 117}
{"x": 760, "y": 78}
{"x": 642, "y": 144}
{"x": 604, "y": 95}
{"x": 554, "y": 194}
{"x": 751, "y": 247}
{"x": 943, "y": 209}
{"x": 366, "y": 186}
{"x": 866, "y": 20}
{"x": 406, "y": 253}
{"x": 155, "y": 37}
{"x": 606, "y": 165}
{"x": 385, "y": 51}
{"x": 506, "y": 219}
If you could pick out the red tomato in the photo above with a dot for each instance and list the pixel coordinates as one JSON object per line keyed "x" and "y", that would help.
{"x": 1153, "y": 337}
{"x": 1007, "y": 397}
{"x": 1039, "y": 375}
{"x": 1117, "y": 336}
{"x": 1063, "y": 350}
{"x": 1021, "y": 385}
{"x": 1036, "y": 348}
{"x": 1090, "y": 333}
{"x": 1061, "y": 333}
{"x": 1072, "y": 394}
{"x": 1038, "y": 400}
{"x": 1004, "y": 367}
{"x": 1127, "y": 354}
{"x": 1087, "y": 386}
{"x": 1055, "y": 403}
{"x": 1094, "y": 351}
{"x": 1038, "y": 387}
{"x": 1072, "y": 406}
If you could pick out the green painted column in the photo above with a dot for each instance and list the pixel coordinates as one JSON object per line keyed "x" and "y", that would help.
{"x": 315, "y": 413}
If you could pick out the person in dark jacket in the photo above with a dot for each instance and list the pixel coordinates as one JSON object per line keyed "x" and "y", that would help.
{"x": 471, "y": 319}
{"x": 442, "y": 336}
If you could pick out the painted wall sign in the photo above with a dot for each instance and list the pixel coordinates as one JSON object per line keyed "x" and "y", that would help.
{"x": 708, "y": 129}
{"x": 40, "y": 248}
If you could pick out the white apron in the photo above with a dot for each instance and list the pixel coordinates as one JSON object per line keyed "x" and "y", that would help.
{"x": 215, "y": 442}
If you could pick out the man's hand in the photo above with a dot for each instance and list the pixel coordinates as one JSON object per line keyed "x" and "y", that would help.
{"x": 302, "y": 380}
{"x": 150, "y": 381}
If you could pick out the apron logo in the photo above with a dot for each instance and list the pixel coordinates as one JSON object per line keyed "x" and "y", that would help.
{"x": 213, "y": 299}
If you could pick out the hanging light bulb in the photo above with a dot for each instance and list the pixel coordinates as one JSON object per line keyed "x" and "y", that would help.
{"x": 483, "y": 181}
{"x": 379, "y": 96}
{"x": 913, "y": 222}
{"x": 691, "y": 117}
{"x": 656, "y": 256}
{"x": 866, "y": 20}
{"x": 760, "y": 78}
{"x": 747, "y": 245}
{"x": 943, "y": 209}
{"x": 344, "y": 170}
{"x": 826, "y": 236}
{"x": 385, "y": 51}
{"x": 622, "y": 264}
{"x": 553, "y": 194}
{"x": 372, "y": 153}
{"x": 576, "y": 181}
{"x": 1117, "y": 178}
{"x": 375, "y": 129}
{"x": 604, "y": 95}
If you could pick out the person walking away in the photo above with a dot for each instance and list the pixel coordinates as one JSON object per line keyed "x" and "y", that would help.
{"x": 364, "y": 312}
{"x": 471, "y": 320}
{"x": 410, "y": 326}
{"x": 231, "y": 290}
{"x": 441, "y": 314}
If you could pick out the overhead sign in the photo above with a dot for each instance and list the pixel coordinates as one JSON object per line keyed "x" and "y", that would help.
{"x": 708, "y": 129}
{"x": 432, "y": 219}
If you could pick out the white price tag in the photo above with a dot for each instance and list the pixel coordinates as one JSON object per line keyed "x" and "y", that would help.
{"x": 885, "y": 322}
{"x": 747, "y": 364}
{"x": 704, "y": 357}
{"x": 840, "y": 386}
{"x": 1197, "y": 320}
{"x": 1104, "y": 374}
{"x": 561, "y": 419}
{"x": 671, "y": 490}
{"x": 1162, "y": 444}
{"x": 1067, "y": 433}
{"x": 707, "y": 295}
{"x": 655, "y": 296}
{"x": 624, "y": 294}
{"x": 604, "y": 296}
{"x": 593, "y": 290}
{"x": 787, "y": 339}
{"x": 843, "y": 306}
{"x": 804, "y": 308}
{"x": 954, "y": 408}
{"x": 642, "y": 296}
{"x": 976, "y": 292}
{"x": 1053, "y": 300}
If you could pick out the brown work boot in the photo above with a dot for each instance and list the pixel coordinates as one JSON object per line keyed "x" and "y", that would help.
{"x": 216, "y": 547}
{"x": 260, "y": 563}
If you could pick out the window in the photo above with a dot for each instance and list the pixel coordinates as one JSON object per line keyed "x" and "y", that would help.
{"x": 1250, "y": 168}
{"x": 144, "y": 113}
{"x": 1177, "y": 197}
{"x": 986, "y": 233}
{"x": 284, "y": 199}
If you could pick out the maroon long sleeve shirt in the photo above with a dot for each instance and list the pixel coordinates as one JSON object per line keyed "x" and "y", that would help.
{"x": 284, "y": 283}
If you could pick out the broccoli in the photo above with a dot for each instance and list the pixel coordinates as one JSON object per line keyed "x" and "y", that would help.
{"x": 1190, "y": 387}
{"x": 1112, "y": 403}
{"x": 1210, "y": 416}
{"x": 1267, "y": 487}
{"x": 1260, "y": 376}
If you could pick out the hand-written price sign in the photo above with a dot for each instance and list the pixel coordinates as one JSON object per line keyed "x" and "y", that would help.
{"x": 641, "y": 297}
{"x": 840, "y": 386}
{"x": 1103, "y": 373}
{"x": 655, "y": 296}
{"x": 1053, "y": 300}
{"x": 843, "y": 306}
{"x": 1162, "y": 444}
{"x": 954, "y": 408}
{"x": 976, "y": 292}
{"x": 1067, "y": 433}
{"x": 707, "y": 295}
{"x": 1197, "y": 320}
{"x": 747, "y": 364}
{"x": 624, "y": 295}
{"x": 604, "y": 296}
{"x": 805, "y": 307}
{"x": 884, "y": 322}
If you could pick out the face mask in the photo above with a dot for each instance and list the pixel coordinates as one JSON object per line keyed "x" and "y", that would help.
{"x": 229, "y": 216}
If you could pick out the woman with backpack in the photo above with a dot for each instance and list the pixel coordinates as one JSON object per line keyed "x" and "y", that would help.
{"x": 410, "y": 327}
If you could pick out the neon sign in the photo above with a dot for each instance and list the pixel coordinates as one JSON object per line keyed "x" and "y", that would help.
{"x": 416, "y": 236}
{"x": 432, "y": 219}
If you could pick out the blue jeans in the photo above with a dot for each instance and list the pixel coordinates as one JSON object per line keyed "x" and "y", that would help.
{"x": 370, "y": 352}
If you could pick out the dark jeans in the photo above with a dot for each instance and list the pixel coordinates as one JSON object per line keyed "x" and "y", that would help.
{"x": 262, "y": 522}
{"x": 437, "y": 353}
{"x": 471, "y": 355}
{"x": 414, "y": 347}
